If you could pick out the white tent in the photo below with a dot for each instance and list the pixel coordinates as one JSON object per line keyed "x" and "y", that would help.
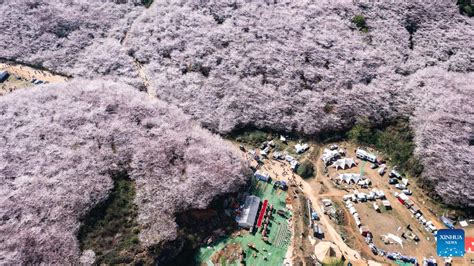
{"x": 350, "y": 178}
{"x": 326, "y": 251}
{"x": 329, "y": 156}
{"x": 352, "y": 210}
{"x": 344, "y": 163}
{"x": 374, "y": 263}
{"x": 394, "y": 238}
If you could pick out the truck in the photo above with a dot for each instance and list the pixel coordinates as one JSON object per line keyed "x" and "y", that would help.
{"x": 410, "y": 235}
{"x": 448, "y": 222}
{"x": 363, "y": 155}
{"x": 318, "y": 231}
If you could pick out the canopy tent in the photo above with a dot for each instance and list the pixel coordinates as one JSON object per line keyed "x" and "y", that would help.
{"x": 350, "y": 178}
{"x": 329, "y": 156}
{"x": 326, "y": 252}
{"x": 344, "y": 163}
{"x": 374, "y": 263}
{"x": 394, "y": 238}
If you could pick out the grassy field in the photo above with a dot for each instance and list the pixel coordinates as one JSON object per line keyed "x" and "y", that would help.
{"x": 264, "y": 254}
{"x": 110, "y": 229}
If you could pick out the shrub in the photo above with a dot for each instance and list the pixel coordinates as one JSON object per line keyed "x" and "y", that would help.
{"x": 305, "y": 169}
{"x": 362, "y": 132}
{"x": 328, "y": 108}
{"x": 360, "y": 22}
{"x": 147, "y": 3}
{"x": 254, "y": 137}
{"x": 465, "y": 7}
{"x": 333, "y": 262}
{"x": 111, "y": 219}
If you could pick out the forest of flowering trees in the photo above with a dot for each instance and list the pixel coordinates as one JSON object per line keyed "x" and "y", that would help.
{"x": 444, "y": 123}
{"x": 62, "y": 144}
{"x": 302, "y": 67}
{"x": 305, "y": 67}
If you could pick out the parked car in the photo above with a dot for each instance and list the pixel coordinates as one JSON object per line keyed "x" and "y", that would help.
{"x": 407, "y": 192}
{"x": 282, "y": 213}
{"x": 401, "y": 186}
{"x": 392, "y": 181}
{"x": 382, "y": 169}
{"x": 395, "y": 174}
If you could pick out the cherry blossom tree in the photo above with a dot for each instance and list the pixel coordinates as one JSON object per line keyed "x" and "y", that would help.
{"x": 61, "y": 145}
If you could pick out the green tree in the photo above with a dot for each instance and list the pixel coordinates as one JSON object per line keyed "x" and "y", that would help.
{"x": 465, "y": 7}
{"x": 147, "y": 3}
{"x": 360, "y": 22}
{"x": 362, "y": 133}
{"x": 394, "y": 140}
{"x": 306, "y": 169}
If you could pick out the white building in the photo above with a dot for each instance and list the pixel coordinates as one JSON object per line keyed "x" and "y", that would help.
{"x": 249, "y": 211}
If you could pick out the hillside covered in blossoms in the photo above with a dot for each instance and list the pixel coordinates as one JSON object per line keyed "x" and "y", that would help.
{"x": 150, "y": 87}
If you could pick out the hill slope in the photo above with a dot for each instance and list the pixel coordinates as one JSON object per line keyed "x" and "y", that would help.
{"x": 62, "y": 144}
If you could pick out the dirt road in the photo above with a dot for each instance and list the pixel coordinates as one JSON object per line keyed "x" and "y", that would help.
{"x": 322, "y": 187}
{"x": 280, "y": 170}
{"x": 29, "y": 73}
{"x": 332, "y": 234}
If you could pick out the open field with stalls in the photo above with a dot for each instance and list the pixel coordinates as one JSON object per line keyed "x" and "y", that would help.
{"x": 384, "y": 221}
{"x": 228, "y": 250}
{"x": 346, "y": 233}
{"x": 281, "y": 170}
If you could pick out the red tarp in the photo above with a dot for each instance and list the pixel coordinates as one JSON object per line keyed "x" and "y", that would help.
{"x": 262, "y": 213}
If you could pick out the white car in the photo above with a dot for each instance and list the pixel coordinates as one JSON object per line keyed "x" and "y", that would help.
{"x": 400, "y": 186}
{"x": 382, "y": 170}
{"x": 407, "y": 192}
{"x": 333, "y": 147}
